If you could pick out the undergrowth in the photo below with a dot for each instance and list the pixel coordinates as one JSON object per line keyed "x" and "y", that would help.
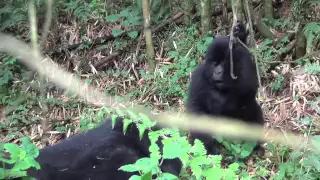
{"x": 170, "y": 83}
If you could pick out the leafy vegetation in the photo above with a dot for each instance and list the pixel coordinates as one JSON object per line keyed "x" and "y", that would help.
{"x": 22, "y": 158}
{"x": 180, "y": 48}
{"x": 175, "y": 145}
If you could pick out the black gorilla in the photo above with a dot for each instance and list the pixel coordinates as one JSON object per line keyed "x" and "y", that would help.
{"x": 213, "y": 91}
{"x": 97, "y": 155}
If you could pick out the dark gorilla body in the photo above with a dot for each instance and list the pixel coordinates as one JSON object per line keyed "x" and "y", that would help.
{"x": 97, "y": 155}
{"x": 212, "y": 90}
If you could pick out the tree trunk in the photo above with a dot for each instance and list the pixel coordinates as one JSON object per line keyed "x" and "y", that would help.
{"x": 206, "y": 21}
{"x": 268, "y": 9}
{"x": 148, "y": 35}
{"x": 225, "y": 17}
{"x": 237, "y": 10}
{"x": 263, "y": 29}
{"x": 189, "y": 10}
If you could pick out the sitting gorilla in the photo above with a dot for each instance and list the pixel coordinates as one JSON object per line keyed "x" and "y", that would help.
{"x": 97, "y": 155}
{"x": 213, "y": 91}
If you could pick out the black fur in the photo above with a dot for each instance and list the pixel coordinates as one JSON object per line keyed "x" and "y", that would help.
{"x": 97, "y": 155}
{"x": 213, "y": 92}
{"x": 241, "y": 32}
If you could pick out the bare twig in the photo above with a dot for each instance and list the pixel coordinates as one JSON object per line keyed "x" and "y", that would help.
{"x": 104, "y": 39}
{"x": 47, "y": 24}
{"x": 139, "y": 44}
{"x": 235, "y": 19}
{"x": 247, "y": 9}
{"x": 100, "y": 63}
{"x": 36, "y": 52}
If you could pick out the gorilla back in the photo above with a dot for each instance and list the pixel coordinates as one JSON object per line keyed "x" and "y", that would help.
{"x": 213, "y": 91}
{"x": 96, "y": 155}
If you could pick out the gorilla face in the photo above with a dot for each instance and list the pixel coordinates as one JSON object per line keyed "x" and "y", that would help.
{"x": 217, "y": 62}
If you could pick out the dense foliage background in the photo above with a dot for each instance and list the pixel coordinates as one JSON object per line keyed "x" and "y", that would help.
{"x": 102, "y": 42}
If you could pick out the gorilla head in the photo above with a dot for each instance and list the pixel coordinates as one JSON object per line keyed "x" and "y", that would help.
{"x": 241, "y": 32}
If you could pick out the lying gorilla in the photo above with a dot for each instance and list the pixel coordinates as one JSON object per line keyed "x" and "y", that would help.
{"x": 97, "y": 155}
{"x": 213, "y": 91}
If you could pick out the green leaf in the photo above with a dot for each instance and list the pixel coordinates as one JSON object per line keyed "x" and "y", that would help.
{"x": 21, "y": 165}
{"x": 198, "y": 148}
{"x": 136, "y": 12}
{"x": 129, "y": 168}
{"x": 15, "y": 173}
{"x": 171, "y": 149}
{"x": 125, "y": 23}
{"x": 282, "y": 171}
{"x": 234, "y": 166}
{"x": 13, "y": 149}
{"x": 5, "y": 78}
{"x": 213, "y": 173}
{"x": 2, "y": 173}
{"x": 22, "y": 154}
{"x": 113, "y": 18}
{"x": 216, "y": 160}
{"x": 245, "y": 153}
{"x": 193, "y": 63}
{"x": 1, "y": 147}
{"x": 101, "y": 114}
{"x": 25, "y": 140}
{"x": 312, "y": 161}
{"x": 113, "y": 119}
{"x": 154, "y": 148}
{"x": 124, "y": 13}
{"x": 88, "y": 81}
{"x": 141, "y": 128}
{"x": 33, "y": 162}
{"x": 135, "y": 21}
{"x": 196, "y": 170}
{"x": 102, "y": 47}
{"x": 146, "y": 164}
{"x": 135, "y": 177}
{"x": 208, "y": 40}
{"x": 126, "y": 123}
{"x": 9, "y": 161}
{"x": 261, "y": 172}
{"x": 271, "y": 147}
{"x": 133, "y": 34}
{"x": 147, "y": 176}
{"x": 167, "y": 176}
{"x": 116, "y": 32}
{"x": 200, "y": 160}
{"x": 30, "y": 148}
{"x": 176, "y": 147}
{"x": 236, "y": 148}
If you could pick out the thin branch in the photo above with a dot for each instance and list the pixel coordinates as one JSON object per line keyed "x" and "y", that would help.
{"x": 104, "y": 39}
{"x": 247, "y": 9}
{"x": 47, "y": 24}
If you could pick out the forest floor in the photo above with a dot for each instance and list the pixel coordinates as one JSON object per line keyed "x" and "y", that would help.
{"x": 291, "y": 106}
